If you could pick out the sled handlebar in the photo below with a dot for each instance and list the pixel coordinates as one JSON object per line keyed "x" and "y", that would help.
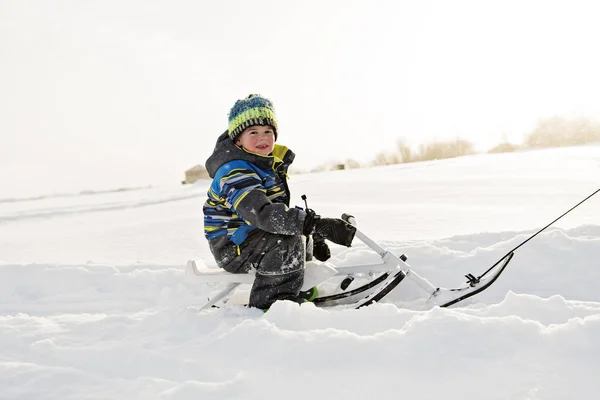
{"x": 352, "y": 221}
{"x": 390, "y": 257}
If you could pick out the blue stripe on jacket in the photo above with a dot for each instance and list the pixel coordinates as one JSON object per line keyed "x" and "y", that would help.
{"x": 232, "y": 182}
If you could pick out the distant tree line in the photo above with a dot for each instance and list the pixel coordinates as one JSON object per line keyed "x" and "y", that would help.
{"x": 425, "y": 152}
{"x": 549, "y": 132}
{"x": 557, "y": 131}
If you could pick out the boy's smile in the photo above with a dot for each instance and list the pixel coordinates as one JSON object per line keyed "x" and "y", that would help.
{"x": 257, "y": 139}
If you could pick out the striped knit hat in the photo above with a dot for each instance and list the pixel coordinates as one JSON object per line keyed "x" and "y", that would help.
{"x": 251, "y": 111}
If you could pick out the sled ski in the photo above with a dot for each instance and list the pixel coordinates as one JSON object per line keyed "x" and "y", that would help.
{"x": 363, "y": 296}
{"x": 384, "y": 278}
{"x": 474, "y": 285}
{"x": 375, "y": 296}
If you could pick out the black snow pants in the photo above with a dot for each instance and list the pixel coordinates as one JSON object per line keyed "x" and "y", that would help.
{"x": 278, "y": 260}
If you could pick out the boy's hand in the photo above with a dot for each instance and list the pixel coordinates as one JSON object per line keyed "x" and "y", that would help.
{"x": 320, "y": 249}
{"x": 336, "y": 230}
{"x": 310, "y": 221}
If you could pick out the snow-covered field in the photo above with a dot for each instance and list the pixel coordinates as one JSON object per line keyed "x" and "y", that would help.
{"x": 94, "y": 305}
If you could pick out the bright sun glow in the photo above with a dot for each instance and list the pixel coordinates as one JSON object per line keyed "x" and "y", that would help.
{"x": 105, "y": 95}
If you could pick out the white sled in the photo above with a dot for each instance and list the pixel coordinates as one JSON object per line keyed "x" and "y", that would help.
{"x": 389, "y": 272}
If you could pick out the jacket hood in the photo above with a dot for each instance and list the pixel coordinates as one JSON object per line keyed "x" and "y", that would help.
{"x": 226, "y": 151}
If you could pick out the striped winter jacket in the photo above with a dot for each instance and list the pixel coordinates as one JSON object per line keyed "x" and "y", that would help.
{"x": 249, "y": 192}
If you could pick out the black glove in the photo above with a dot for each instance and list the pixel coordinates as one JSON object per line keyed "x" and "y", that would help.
{"x": 309, "y": 222}
{"x": 334, "y": 229}
{"x": 320, "y": 249}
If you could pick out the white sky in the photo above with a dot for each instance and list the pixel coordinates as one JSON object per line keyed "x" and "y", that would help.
{"x": 102, "y": 94}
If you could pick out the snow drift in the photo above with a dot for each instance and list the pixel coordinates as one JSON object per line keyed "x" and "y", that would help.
{"x": 93, "y": 303}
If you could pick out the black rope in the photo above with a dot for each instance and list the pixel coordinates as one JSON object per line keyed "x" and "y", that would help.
{"x": 541, "y": 230}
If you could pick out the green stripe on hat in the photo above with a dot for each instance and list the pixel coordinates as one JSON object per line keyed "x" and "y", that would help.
{"x": 251, "y": 111}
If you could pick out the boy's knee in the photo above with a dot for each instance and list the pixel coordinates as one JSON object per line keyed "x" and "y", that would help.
{"x": 285, "y": 256}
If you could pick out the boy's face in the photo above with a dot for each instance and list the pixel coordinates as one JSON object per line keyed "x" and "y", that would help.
{"x": 257, "y": 139}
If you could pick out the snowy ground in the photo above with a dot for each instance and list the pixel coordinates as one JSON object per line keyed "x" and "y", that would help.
{"x": 94, "y": 305}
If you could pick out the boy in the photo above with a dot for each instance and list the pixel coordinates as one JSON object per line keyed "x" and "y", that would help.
{"x": 246, "y": 217}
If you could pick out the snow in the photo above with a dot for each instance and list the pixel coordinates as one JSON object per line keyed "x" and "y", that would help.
{"x": 94, "y": 304}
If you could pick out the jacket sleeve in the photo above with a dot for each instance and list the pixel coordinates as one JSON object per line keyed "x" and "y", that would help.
{"x": 245, "y": 195}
